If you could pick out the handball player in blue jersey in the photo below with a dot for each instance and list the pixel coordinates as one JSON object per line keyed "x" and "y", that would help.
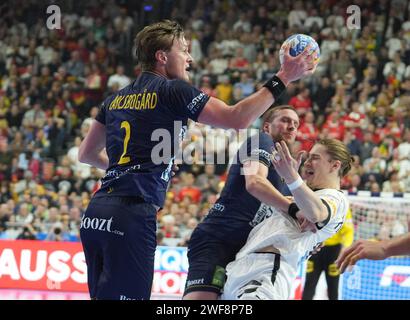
{"x": 251, "y": 188}
{"x": 118, "y": 229}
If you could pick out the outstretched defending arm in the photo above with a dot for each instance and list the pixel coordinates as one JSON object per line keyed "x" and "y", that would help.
{"x": 373, "y": 250}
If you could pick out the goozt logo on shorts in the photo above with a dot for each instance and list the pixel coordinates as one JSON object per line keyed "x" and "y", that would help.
{"x": 195, "y": 282}
{"x": 98, "y": 224}
{"x": 122, "y": 297}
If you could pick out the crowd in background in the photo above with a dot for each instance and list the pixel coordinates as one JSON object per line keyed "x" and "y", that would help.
{"x": 52, "y": 82}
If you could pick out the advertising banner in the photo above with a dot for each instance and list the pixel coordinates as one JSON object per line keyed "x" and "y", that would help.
{"x": 42, "y": 265}
{"x": 378, "y": 280}
{"x": 60, "y": 267}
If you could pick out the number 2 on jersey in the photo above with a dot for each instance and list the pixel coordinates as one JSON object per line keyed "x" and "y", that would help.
{"x": 126, "y": 126}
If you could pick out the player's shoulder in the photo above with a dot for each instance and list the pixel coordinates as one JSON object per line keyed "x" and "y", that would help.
{"x": 171, "y": 84}
{"x": 264, "y": 136}
{"x": 258, "y": 139}
{"x": 107, "y": 101}
{"x": 129, "y": 89}
{"x": 332, "y": 193}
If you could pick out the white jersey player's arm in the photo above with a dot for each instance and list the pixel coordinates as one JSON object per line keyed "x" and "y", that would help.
{"x": 314, "y": 208}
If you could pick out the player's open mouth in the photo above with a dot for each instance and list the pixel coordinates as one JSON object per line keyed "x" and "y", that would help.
{"x": 309, "y": 173}
{"x": 189, "y": 68}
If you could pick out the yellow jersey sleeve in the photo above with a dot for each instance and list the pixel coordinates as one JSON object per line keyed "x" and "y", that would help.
{"x": 345, "y": 235}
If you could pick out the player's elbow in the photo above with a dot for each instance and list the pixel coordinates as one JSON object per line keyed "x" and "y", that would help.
{"x": 83, "y": 156}
{"x": 237, "y": 119}
{"x": 236, "y": 123}
{"x": 319, "y": 215}
{"x": 252, "y": 184}
{"x": 242, "y": 124}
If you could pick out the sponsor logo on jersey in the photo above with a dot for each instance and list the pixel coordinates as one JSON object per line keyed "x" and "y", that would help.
{"x": 218, "y": 207}
{"x": 263, "y": 213}
{"x": 193, "y": 105}
{"x": 260, "y": 153}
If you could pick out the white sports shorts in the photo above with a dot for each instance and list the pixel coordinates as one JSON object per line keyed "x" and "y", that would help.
{"x": 258, "y": 276}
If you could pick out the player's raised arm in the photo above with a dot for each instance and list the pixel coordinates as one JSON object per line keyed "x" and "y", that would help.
{"x": 328, "y": 154}
{"x": 246, "y": 111}
{"x": 313, "y": 208}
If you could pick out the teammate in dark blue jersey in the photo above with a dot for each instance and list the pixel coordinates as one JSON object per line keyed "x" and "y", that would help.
{"x": 135, "y": 138}
{"x": 251, "y": 187}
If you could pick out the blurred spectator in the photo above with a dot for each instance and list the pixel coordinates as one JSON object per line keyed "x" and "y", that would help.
{"x": 245, "y": 85}
{"x": 308, "y": 132}
{"x": 206, "y": 86}
{"x": 394, "y": 70}
{"x": 351, "y": 142}
{"x": 208, "y": 181}
{"x": 28, "y": 233}
{"x": 24, "y": 216}
{"x": 168, "y": 227}
{"x": 314, "y": 20}
{"x": 239, "y": 62}
{"x": 355, "y": 183}
{"x": 5, "y": 215}
{"x": 75, "y": 66}
{"x": 57, "y": 233}
{"x": 189, "y": 190}
{"x": 340, "y": 63}
{"x": 224, "y": 89}
{"x": 367, "y": 146}
{"x": 356, "y": 120}
{"x": 334, "y": 125}
{"x": 393, "y": 184}
{"x": 404, "y": 147}
{"x": 45, "y": 52}
{"x": 322, "y": 98}
{"x": 119, "y": 78}
{"x": 160, "y": 238}
{"x": 186, "y": 235}
{"x": 302, "y": 102}
{"x": 297, "y": 15}
{"x": 375, "y": 165}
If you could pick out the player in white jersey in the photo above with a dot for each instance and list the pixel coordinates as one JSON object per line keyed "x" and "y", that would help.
{"x": 266, "y": 265}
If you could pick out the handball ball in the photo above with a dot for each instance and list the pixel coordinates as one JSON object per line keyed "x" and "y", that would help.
{"x": 298, "y": 43}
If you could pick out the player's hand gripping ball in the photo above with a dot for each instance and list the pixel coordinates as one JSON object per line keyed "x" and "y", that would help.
{"x": 298, "y": 43}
